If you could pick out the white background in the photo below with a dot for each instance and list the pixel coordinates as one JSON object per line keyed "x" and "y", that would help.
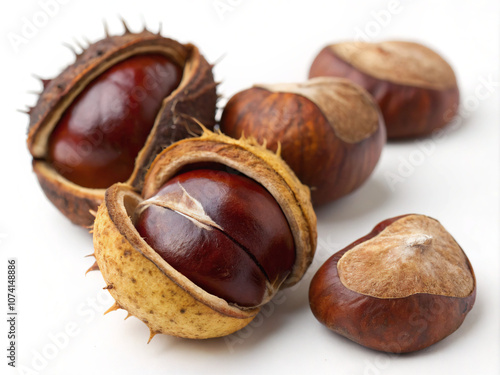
{"x": 454, "y": 179}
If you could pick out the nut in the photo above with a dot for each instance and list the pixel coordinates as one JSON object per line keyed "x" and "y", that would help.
{"x": 401, "y": 288}
{"x": 213, "y": 214}
{"x": 415, "y": 87}
{"x": 240, "y": 245}
{"x": 328, "y": 130}
{"x": 106, "y": 116}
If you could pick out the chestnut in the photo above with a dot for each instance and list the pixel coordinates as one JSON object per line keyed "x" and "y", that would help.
{"x": 414, "y": 86}
{"x": 218, "y": 228}
{"x": 328, "y": 130}
{"x": 118, "y": 121}
{"x": 236, "y": 248}
{"x": 401, "y": 288}
{"x": 105, "y": 117}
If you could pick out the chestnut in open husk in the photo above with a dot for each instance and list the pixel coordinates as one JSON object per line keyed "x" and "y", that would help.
{"x": 414, "y": 86}
{"x": 328, "y": 130}
{"x": 401, "y": 288}
{"x": 218, "y": 228}
{"x": 105, "y": 117}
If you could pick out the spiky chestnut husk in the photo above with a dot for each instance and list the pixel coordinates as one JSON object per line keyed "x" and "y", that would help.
{"x": 195, "y": 96}
{"x": 146, "y": 286}
{"x": 414, "y": 86}
{"x": 401, "y": 288}
{"x": 330, "y": 130}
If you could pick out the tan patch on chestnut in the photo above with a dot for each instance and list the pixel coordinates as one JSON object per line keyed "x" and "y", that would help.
{"x": 398, "y": 62}
{"x": 414, "y": 254}
{"x": 338, "y": 99}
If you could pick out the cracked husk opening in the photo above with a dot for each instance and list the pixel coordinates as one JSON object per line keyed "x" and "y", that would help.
{"x": 149, "y": 288}
{"x": 194, "y": 95}
{"x": 39, "y": 139}
{"x": 256, "y": 162}
{"x": 163, "y": 298}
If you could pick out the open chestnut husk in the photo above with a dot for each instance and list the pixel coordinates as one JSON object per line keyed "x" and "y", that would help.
{"x": 218, "y": 228}
{"x": 105, "y": 117}
{"x": 401, "y": 288}
{"x": 414, "y": 86}
{"x": 328, "y": 130}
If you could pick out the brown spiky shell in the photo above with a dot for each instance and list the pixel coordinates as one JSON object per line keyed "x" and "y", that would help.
{"x": 194, "y": 97}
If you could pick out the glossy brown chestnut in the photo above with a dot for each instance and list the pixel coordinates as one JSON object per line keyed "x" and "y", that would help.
{"x": 106, "y": 117}
{"x": 329, "y": 131}
{"x": 240, "y": 246}
{"x": 401, "y": 288}
{"x": 415, "y": 87}
{"x": 99, "y": 136}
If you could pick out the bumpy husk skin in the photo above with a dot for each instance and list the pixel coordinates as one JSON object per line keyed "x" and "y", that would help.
{"x": 409, "y": 111}
{"x": 146, "y": 285}
{"x": 195, "y": 96}
{"x": 161, "y": 300}
{"x": 394, "y": 325}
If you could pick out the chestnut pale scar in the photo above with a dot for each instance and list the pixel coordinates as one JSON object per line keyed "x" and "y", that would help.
{"x": 413, "y": 255}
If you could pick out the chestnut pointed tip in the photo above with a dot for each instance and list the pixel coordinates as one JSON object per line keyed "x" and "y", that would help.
{"x": 115, "y": 307}
{"x": 79, "y": 44}
{"x": 45, "y": 82}
{"x": 25, "y": 111}
{"x": 160, "y": 26}
{"x": 71, "y": 48}
{"x": 94, "y": 214}
{"x": 151, "y": 334}
{"x": 125, "y": 26}
{"x": 218, "y": 60}
{"x": 106, "y": 28}
{"x": 278, "y": 150}
{"x": 143, "y": 21}
{"x": 202, "y": 127}
{"x": 94, "y": 267}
